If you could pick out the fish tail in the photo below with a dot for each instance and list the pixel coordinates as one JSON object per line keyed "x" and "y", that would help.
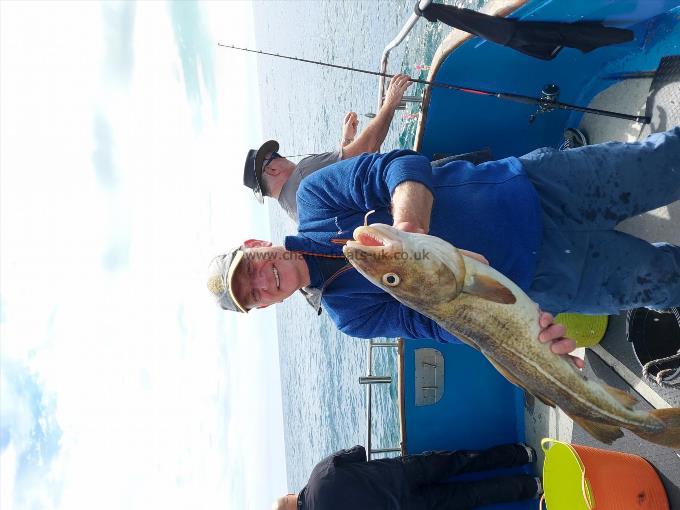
{"x": 669, "y": 434}
{"x": 603, "y": 432}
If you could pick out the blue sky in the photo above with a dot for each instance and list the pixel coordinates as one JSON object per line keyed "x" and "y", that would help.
{"x": 123, "y": 128}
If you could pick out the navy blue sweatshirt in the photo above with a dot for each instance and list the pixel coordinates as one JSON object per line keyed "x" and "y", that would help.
{"x": 491, "y": 209}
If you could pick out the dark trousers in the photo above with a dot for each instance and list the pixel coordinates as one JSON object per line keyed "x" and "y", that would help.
{"x": 428, "y": 472}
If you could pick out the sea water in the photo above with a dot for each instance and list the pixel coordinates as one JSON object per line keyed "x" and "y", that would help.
{"x": 303, "y": 106}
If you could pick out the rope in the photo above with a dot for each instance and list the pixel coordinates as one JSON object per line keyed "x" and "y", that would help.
{"x": 665, "y": 377}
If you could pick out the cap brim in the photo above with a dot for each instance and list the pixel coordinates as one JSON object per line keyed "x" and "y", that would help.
{"x": 230, "y": 277}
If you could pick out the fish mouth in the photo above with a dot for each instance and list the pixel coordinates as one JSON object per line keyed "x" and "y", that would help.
{"x": 374, "y": 238}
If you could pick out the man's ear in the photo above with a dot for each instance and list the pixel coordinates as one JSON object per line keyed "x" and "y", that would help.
{"x": 272, "y": 169}
{"x": 292, "y": 500}
{"x": 256, "y": 243}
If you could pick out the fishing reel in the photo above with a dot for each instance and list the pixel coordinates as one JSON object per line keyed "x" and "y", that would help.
{"x": 546, "y": 103}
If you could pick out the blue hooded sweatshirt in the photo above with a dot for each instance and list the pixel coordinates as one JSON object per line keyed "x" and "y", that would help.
{"x": 491, "y": 209}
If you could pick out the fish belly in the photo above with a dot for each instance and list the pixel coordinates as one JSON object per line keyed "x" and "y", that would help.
{"x": 508, "y": 336}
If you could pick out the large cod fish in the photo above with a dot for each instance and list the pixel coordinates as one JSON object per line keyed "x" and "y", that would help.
{"x": 486, "y": 310}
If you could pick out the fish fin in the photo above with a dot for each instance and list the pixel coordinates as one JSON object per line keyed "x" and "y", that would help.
{"x": 669, "y": 435}
{"x": 543, "y": 399}
{"x": 625, "y": 399}
{"x": 506, "y": 374}
{"x": 605, "y": 433}
{"x": 487, "y": 288}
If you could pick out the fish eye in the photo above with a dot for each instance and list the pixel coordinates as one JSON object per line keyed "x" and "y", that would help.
{"x": 391, "y": 279}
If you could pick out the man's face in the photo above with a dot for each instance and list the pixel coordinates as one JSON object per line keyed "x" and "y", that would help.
{"x": 266, "y": 275}
{"x": 269, "y": 159}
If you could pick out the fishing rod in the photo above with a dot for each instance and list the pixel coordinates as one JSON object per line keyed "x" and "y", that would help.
{"x": 544, "y": 104}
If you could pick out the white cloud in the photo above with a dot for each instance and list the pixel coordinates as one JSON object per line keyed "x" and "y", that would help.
{"x": 29, "y": 438}
{"x": 118, "y": 26}
{"x": 152, "y": 395}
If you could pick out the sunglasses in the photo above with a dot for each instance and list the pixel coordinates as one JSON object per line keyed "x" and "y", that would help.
{"x": 275, "y": 155}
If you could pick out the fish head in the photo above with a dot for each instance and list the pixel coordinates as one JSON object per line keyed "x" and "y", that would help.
{"x": 419, "y": 270}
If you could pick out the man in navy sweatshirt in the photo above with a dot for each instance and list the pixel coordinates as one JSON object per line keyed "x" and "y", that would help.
{"x": 346, "y": 480}
{"x": 546, "y": 220}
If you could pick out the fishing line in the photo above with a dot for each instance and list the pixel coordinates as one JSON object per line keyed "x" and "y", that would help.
{"x": 298, "y": 155}
{"x": 518, "y": 98}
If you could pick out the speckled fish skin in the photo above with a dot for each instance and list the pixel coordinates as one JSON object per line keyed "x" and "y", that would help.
{"x": 465, "y": 297}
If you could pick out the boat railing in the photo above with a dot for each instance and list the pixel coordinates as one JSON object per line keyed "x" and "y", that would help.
{"x": 369, "y": 380}
{"x": 422, "y": 4}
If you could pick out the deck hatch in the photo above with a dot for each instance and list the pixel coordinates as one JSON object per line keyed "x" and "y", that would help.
{"x": 429, "y": 376}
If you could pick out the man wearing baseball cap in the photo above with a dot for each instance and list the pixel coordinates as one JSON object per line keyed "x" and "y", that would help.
{"x": 534, "y": 218}
{"x": 268, "y": 173}
{"x": 269, "y": 274}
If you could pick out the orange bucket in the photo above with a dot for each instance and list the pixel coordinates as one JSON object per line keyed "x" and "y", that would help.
{"x": 579, "y": 477}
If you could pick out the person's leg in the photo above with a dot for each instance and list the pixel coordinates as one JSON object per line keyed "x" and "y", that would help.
{"x": 433, "y": 467}
{"x": 598, "y": 186}
{"x": 622, "y": 272}
{"x": 604, "y": 272}
{"x": 466, "y": 495}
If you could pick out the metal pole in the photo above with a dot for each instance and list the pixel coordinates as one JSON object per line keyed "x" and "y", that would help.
{"x": 422, "y": 5}
{"x": 375, "y": 379}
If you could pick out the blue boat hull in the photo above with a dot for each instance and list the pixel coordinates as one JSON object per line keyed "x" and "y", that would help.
{"x": 457, "y": 122}
{"x": 479, "y": 407}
